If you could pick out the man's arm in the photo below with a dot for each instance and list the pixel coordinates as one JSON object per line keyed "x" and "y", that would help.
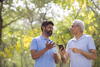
{"x": 36, "y": 54}
{"x": 64, "y": 56}
{"x": 90, "y": 55}
{"x": 56, "y": 57}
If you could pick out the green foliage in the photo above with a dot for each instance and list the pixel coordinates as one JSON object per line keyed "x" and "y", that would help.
{"x": 25, "y": 25}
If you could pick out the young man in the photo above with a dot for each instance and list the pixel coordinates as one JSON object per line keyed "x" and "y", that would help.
{"x": 43, "y": 50}
{"x": 81, "y": 48}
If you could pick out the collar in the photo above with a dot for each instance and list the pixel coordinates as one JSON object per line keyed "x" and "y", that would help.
{"x": 83, "y": 36}
{"x": 42, "y": 37}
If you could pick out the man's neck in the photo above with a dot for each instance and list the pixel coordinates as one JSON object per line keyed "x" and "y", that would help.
{"x": 44, "y": 35}
{"x": 78, "y": 35}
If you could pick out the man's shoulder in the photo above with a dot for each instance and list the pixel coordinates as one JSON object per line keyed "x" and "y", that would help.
{"x": 87, "y": 36}
{"x": 70, "y": 40}
{"x": 36, "y": 38}
{"x": 84, "y": 36}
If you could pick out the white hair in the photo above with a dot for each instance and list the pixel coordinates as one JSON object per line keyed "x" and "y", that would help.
{"x": 79, "y": 23}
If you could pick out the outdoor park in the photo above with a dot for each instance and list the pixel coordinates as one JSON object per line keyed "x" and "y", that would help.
{"x": 20, "y": 22}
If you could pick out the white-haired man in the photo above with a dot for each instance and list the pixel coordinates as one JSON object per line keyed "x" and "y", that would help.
{"x": 81, "y": 48}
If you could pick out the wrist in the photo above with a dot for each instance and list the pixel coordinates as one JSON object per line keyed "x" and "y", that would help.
{"x": 64, "y": 56}
{"x": 81, "y": 52}
{"x": 46, "y": 49}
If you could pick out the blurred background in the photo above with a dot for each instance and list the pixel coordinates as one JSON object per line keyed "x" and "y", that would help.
{"x": 20, "y": 21}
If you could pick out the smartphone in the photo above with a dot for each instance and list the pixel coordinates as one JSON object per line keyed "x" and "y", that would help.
{"x": 61, "y": 47}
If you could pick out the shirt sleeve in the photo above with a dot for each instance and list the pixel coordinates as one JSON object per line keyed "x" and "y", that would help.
{"x": 34, "y": 45}
{"x": 67, "y": 48}
{"x": 91, "y": 44}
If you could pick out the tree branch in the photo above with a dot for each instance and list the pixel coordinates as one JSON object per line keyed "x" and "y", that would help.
{"x": 77, "y": 13}
{"x": 11, "y": 22}
{"x": 92, "y": 9}
{"x": 95, "y": 5}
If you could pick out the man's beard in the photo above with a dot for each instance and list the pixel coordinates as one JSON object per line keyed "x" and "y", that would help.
{"x": 49, "y": 33}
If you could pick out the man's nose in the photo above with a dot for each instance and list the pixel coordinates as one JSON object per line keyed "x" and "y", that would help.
{"x": 51, "y": 29}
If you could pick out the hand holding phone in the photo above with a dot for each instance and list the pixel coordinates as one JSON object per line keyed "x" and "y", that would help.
{"x": 61, "y": 47}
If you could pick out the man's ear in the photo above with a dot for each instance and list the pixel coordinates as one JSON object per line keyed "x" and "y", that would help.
{"x": 43, "y": 28}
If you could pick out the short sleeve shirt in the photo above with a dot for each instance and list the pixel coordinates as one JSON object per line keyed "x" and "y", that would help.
{"x": 46, "y": 60}
{"x": 85, "y": 43}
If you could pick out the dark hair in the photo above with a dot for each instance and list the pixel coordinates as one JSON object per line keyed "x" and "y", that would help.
{"x": 46, "y": 23}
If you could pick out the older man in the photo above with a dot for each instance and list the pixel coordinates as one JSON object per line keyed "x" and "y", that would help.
{"x": 81, "y": 48}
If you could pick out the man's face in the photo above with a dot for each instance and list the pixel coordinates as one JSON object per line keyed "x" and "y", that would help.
{"x": 75, "y": 29}
{"x": 48, "y": 30}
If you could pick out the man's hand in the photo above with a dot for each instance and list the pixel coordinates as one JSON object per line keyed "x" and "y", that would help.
{"x": 62, "y": 52}
{"x": 56, "y": 57}
{"x": 76, "y": 50}
{"x": 64, "y": 55}
{"x": 49, "y": 45}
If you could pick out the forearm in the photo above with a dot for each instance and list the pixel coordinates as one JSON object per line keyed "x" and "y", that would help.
{"x": 57, "y": 58}
{"x": 38, "y": 54}
{"x": 89, "y": 55}
{"x": 65, "y": 57}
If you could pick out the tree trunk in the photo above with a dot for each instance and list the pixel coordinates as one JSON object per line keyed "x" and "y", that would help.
{"x": 1, "y": 21}
{"x": 1, "y": 24}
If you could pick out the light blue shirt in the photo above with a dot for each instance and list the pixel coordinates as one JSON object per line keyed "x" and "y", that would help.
{"x": 85, "y": 43}
{"x": 46, "y": 60}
